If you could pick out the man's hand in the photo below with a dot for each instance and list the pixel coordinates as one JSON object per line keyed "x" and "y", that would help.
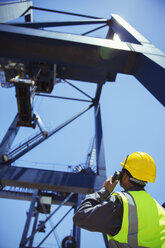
{"x": 109, "y": 185}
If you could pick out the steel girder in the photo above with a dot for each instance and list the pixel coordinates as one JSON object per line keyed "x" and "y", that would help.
{"x": 49, "y": 180}
{"x": 29, "y": 216}
{"x": 150, "y": 64}
{"x": 59, "y": 24}
{"x": 25, "y": 194}
{"x": 77, "y": 57}
{"x": 10, "y": 136}
{"x": 88, "y": 58}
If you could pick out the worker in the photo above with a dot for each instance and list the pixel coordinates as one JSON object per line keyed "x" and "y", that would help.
{"x": 131, "y": 218}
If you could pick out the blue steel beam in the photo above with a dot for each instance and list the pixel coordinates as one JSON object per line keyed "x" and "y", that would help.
{"x": 60, "y": 97}
{"x": 49, "y": 180}
{"x": 15, "y": 193}
{"x": 105, "y": 240}
{"x": 58, "y": 24}
{"x": 93, "y": 30}
{"x": 87, "y": 58}
{"x": 150, "y": 66}
{"x": 29, "y": 218}
{"x": 153, "y": 76}
{"x": 78, "y": 89}
{"x": 77, "y": 57}
{"x": 100, "y": 156}
{"x": 9, "y": 136}
{"x": 60, "y": 12}
{"x": 34, "y": 227}
{"x": 125, "y": 31}
{"x": 76, "y": 229}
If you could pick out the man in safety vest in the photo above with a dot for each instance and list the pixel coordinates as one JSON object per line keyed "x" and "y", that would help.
{"x": 131, "y": 218}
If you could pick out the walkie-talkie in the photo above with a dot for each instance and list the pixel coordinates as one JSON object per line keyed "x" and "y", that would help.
{"x": 116, "y": 176}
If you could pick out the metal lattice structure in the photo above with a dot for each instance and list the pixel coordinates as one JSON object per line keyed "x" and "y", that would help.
{"x": 50, "y": 57}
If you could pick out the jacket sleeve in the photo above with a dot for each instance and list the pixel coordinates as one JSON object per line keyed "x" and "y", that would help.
{"x": 100, "y": 212}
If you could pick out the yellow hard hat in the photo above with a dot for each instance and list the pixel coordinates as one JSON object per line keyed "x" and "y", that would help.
{"x": 141, "y": 166}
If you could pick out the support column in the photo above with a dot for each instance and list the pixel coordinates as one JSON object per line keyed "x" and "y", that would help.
{"x": 9, "y": 136}
{"x": 28, "y": 221}
{"x": 100, "y": 156}
{"x": 105, "y": 240}
{"x": 34, "y": 227}
{"x": 76, "y": 229}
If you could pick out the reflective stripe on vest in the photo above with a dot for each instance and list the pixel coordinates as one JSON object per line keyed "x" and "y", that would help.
{"x": 132, "y": 224}
{"x": 132, "y": 221}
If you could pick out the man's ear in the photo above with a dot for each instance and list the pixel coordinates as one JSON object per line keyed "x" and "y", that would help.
{"x": 126, "y": 176}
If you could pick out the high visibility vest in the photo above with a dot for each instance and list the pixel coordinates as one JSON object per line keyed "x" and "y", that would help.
{"x": 143, "y": 223}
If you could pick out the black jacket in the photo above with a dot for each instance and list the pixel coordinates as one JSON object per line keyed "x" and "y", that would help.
{"x": 101, "y": 212}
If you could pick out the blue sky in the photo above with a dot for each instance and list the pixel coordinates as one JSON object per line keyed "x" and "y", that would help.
{"x": 133, "y": 120}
